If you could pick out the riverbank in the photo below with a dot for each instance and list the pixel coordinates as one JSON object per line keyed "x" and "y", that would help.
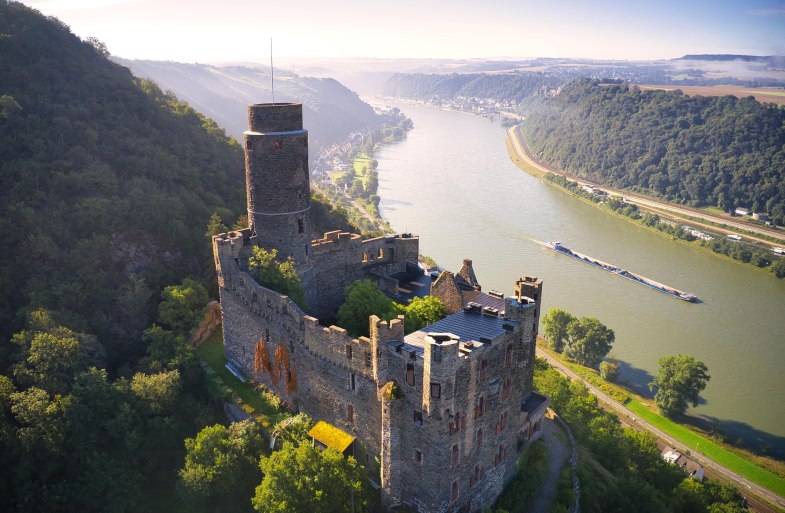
{"x": 755, "y": 251}
{"x": 638, "y": 411}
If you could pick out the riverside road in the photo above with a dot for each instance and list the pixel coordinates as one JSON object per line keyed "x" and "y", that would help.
{"x": 629, "y": 417}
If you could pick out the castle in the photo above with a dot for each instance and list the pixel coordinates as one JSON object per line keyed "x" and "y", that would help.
{"x": 439, "y": 416}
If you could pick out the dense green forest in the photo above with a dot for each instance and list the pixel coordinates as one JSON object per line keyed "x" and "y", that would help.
{"x": 503, "y": 87}
{"x": 700, "y": 151}
{"x": 106, "y": 184}
{"x": 107, "y": 189}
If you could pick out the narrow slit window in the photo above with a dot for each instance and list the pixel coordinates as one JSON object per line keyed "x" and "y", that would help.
{"x": 410, "y": 374}
{"x": 300, "y": 226}
{"x": 350, "y": 414}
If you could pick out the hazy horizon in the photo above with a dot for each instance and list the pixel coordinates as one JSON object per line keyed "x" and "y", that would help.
{"x": 240, "y": 30}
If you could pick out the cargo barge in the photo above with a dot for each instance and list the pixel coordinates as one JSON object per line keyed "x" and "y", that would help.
{"x": 684, "y": 296}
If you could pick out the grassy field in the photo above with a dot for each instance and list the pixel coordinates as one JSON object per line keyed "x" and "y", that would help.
{"x": 249, "y": 398}
{"x": 710, "y": 449}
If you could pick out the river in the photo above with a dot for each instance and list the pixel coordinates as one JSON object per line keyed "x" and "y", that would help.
{"x": 452, "y": 183}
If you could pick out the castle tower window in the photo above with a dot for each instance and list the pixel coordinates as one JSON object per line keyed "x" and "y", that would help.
{"x": 476, "y": 475}
{"x": 483, "y": 369}
{"x": 349, "y": 351}
{"x": 418, "y": 456}
{"x": 503, "y": 421}
{"x": 499, "y": 455}
{"x": 437, "y": 354}
{"x": 480, "y": 408}
{"x": 300, "y": 226}
{"x": 455, "y": 455}
{"x": 367, "y": 358}
{"x": 479, "y": 437}
{"x": 266, "y": 335}
{"x": 352, "y": 382}
{"x": 350, "y": 414}
{"x": 436, "y": 390}
{"x": 278, "y": 145}
{"x": 455, "y": 426}
{"x": 507, "y": 388}
{"x": 418, "y": 418}
{"x": 454, "y": 492}
{"x": 508, "y": 356}
{"x": 410, "y": 374}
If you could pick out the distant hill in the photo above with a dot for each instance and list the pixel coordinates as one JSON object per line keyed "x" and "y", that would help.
{"x": 773, "y": 61}
{"x": 722, "y": 151}
{"x": 330, "y": 110}
{"x": 511, "y": 87}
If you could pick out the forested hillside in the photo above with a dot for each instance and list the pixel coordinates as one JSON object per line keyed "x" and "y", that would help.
{"x": 501, "y": 87}
{"x": 330, "y": 110}
{"x": 715, "y": 151}
{"x": 106, "y": 184}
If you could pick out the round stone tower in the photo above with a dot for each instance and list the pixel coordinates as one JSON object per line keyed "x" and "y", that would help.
{"x": 277, "y": 181}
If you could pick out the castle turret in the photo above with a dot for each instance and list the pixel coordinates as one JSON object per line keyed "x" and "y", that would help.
{"x": 277, "y": 181}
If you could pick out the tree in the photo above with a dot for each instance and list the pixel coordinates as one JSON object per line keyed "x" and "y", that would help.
{"x": 679, "y": 380}
{"x": 305, "y": 479}
{"x": 421, "y": 312}
{"x": 556, "y": 322}
{"x": 280, "y": 276}
{"x": 363, "y": 299}
{"x": 590, "y": 340}
{"x": 215, "y": 226}
{"x": 779, "y": 268}
{"x": 222, "y": 466}
{"x": 182, "y": 305}
{"x": 609, "y": 370}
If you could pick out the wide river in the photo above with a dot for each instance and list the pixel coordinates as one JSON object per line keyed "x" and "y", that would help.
{"x": 452, "y": 183}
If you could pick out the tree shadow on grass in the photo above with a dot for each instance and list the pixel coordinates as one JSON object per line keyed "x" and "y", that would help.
{"x": 637, "y": 380}
{"x": 739, "y": 434}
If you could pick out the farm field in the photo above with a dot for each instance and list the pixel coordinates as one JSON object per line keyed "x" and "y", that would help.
{"x": 762, "y": 94}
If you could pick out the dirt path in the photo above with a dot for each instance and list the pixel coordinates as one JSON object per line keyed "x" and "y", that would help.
{"x": 557, "y": 455}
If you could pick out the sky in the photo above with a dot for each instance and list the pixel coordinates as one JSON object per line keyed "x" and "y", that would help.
{"x": 217, "y": 31}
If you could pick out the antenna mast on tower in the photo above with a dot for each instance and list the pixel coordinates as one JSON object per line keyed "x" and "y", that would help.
{"x": 272, "y": 82}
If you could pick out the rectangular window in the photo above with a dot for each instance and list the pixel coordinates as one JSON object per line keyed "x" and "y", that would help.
{"x": 503, "y": 421}
{"x": 480, "y": 409}
{"x": 350, "y": 414}
{"x": 436, "y": 390}
{"x": 507, "y": 388}
{"x": 476, "y": 475}
{"x": 456, "y": 455}
{"x": 367, "y": 358}
{"x": 437, "y": 353}
{"x": 418, "y": 456}
{"x": 455, "y": 426}
{"x": 418, "y": 418}
{"x": 410, "y": 374}
{"x": 479, "y": 437}
{"x": 454, "y": 492}
{"x": 483, "y": 369}
{"x": 508, "y": 356}
{"x": 300, "y": 226}
{"x": 352, "y": 381}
